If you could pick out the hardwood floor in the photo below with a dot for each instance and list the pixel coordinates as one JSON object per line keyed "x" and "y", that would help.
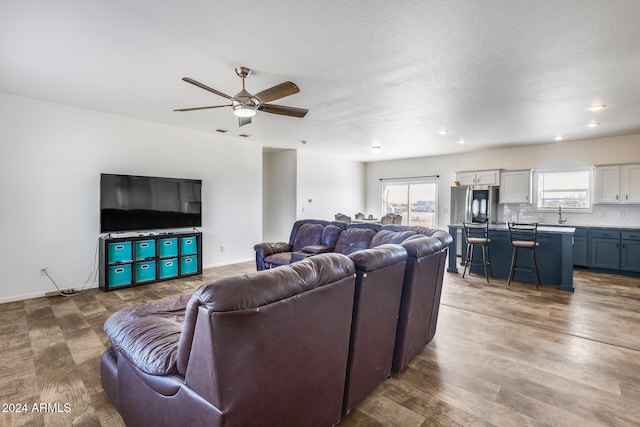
{"x": 502, "y": 356}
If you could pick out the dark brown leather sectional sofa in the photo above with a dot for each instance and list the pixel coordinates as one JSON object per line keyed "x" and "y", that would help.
{"x": 296, "y": 345}
{"x": 427, "y": 250}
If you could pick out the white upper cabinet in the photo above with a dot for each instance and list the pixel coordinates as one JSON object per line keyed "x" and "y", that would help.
{"x": 515, "y": 186}
{"x": 488, "y": 177}
{"x": 618, "y": 184}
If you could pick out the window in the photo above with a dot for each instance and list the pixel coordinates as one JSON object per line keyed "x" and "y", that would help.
{"x": 414, "y": 200}
{"x": 570, "y": 190}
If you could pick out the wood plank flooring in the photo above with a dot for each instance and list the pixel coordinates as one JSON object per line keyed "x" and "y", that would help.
{"x": 502, "y": 356}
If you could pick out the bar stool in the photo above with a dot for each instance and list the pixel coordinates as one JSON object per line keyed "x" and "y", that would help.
{"x": 477, "y": 234}
{"x": 524, "y": 236}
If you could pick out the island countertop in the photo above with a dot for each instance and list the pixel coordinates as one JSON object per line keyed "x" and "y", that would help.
{"x": 541, "y": 228}
{"x": 555, "y": 254}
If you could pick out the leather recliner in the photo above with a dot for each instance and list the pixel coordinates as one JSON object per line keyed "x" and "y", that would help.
{"x": 379, "y": 277}
{"x": 313, "y": 235}
{"x": 267, "y": 348}
{"x": 427, "y": 252}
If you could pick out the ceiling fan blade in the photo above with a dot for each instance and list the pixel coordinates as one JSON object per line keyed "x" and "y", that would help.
{"x": 205, "y": 87}
{"x": 244, "y": 121}
{"x": 203, "y": 108}
{"x": 283, "y": 111}
{"x": 277, "y": 92}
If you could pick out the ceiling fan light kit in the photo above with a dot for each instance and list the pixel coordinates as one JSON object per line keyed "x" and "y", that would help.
{"x": 245, "y": 105}
{"x": 244, "y": 111}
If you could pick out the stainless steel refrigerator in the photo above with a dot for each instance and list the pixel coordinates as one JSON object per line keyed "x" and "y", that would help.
{"x": 474, "y": 204}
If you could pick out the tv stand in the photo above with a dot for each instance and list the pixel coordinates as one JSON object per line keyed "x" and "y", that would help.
{"x": 138, "y": 260}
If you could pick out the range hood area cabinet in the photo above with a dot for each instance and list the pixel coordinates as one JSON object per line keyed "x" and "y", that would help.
{"x": 515, "y": 186}
{"x": 488, "y": 177}
{"x": 617, "y": 184}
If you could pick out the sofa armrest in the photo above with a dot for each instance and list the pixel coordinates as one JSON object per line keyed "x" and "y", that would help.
{"x": 266, "y": 249}
{"x": 317, "y": 249}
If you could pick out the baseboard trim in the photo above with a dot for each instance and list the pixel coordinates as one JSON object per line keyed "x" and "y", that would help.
{"x": 40, "y": 294}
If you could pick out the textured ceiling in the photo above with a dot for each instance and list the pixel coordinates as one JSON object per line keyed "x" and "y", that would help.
{"x": 493, "y": 72}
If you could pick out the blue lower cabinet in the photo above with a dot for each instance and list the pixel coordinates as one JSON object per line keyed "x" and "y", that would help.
{"x": 120, "y": 275}
{"x": 189, "y": 265}
{"x": 630, "y": 255}
{"x": 168, "y": 268}
{"x": 145, "y": 271}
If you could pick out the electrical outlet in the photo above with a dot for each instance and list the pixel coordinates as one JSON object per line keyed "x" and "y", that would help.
{"x": 43, "y": 271}
{"x": 222, "y": 248}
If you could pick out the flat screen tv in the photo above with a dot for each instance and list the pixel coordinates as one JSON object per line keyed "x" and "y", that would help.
{"x": 129, "y": 203}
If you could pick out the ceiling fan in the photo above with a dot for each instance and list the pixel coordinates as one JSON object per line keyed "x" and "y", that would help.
{"x": 245, "y": 105}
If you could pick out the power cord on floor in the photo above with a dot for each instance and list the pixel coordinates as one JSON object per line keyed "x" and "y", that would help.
{"x": 62, "y": 292}
{"x": 72, "y": 292}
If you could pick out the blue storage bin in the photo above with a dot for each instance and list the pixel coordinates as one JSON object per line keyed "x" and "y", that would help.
{"x": 168, "y": 247}
{"x": 120, "y": 275}
{"x": 188, "y": 265}
{"x": 145, "y": 249}
{"x": 168, "y": 268}
{"x": 188, "y": 245}
{"x": 145, "y": 271}
{"x": 120, "y": 252}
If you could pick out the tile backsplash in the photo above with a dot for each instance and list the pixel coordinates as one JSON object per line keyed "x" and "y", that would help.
{"x": 603, "y": 215}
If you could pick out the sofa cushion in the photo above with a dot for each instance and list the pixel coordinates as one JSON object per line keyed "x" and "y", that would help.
{"x": 330, "y": 235}
{"x": 388, "y": 236}
{"x": 354, "y": 239}
{"x": 307, "y": 235}
{"x": 149, "y": 343}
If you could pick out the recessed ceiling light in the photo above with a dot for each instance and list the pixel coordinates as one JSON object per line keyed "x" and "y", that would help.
{"x": 593, "y": 124}
{"x": 443, "y": 131}
{"x": 376, "y": 149}
{"x": 558, "y": 138}
{"x": 597, "y": 107}
{"x": 221, "y": 130}
{"x": 461, "y": 141}
{"x": 244, "y": 135}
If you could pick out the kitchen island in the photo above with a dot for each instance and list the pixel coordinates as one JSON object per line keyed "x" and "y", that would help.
{"x": 555, "y": 255}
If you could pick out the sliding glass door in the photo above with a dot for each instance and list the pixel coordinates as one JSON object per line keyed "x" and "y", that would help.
{"x": 416, "y": 201}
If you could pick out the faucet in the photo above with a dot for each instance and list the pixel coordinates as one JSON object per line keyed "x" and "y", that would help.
{"x": 560, "y": 219}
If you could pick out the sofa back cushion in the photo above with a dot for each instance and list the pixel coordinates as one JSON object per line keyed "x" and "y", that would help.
{"x": 307, "y": 235}
{"x": 271, "y": 330}
{"x": 330, "y": 235}
{"x": 387, "y": 236}
{"x": 256, "y": 290}
{"x": 354, "y": 239}
{"x": 445, "y": 238}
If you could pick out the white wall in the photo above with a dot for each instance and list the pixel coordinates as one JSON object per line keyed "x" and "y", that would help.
{"x": 279, "y": 197}
{"x": 568, "y": 154}
{"x": 304, "y": 185}
{"x": 51, "y": 157}
{"x": 327, "y": 185}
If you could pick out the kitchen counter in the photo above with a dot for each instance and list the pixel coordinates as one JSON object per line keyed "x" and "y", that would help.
{"x": 542, "y": 228}
{"x": 595, "y": 227}
{"x": 555, "y": 254}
